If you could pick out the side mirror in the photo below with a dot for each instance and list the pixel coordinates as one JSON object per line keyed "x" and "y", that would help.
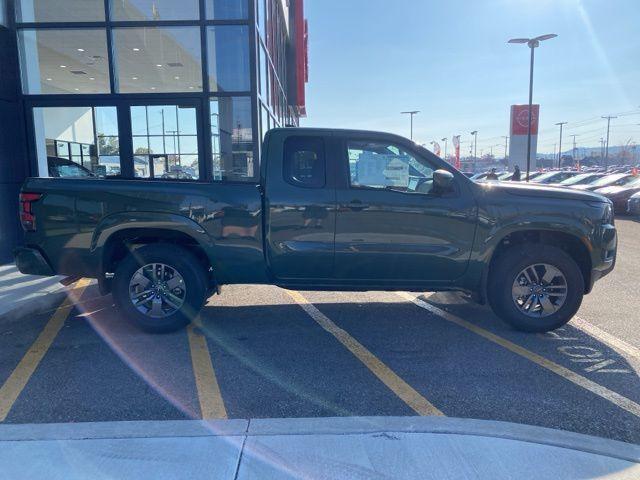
{"x": 442, "y": 181}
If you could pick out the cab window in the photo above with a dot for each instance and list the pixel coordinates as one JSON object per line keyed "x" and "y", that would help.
{"x": 381, "y": 165}
{"x": 304, "y": 162}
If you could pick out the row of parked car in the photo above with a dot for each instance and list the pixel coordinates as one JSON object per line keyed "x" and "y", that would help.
{"x": 620, "y": 185}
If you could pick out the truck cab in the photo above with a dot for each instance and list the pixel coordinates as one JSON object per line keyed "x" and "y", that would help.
{"x": 345, "y": 209}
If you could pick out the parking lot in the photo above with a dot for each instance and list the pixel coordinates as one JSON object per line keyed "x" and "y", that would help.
{"x": 263, "y": 352}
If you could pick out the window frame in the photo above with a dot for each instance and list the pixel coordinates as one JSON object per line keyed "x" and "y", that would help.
{"x": 286, "y": 173}
{"x": 32, "y": 140}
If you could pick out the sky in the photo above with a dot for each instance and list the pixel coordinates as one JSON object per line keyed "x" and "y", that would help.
{"x": 369, "y": 60}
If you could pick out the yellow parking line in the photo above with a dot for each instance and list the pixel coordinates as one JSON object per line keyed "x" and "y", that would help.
{"x": 603, "y": 392}
{"x": 209, "y": 395}
{"x": 18, "y": 379}
{"x": 387, "y": 376}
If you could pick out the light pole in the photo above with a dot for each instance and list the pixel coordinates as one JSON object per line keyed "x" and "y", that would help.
{"x": 574, "y": 147}
{"x": 412, "y": 114}
{"x": 475, "y": 149}
{"x": 606, "y": 152}
{"x": 445, "y": 146}
{"x": 561, "y": 124}
{"x": 532, "y": 43}
{"x": 506, "y": 146}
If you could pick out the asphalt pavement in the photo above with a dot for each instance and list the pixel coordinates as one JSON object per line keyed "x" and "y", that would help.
{"x": 263, "y": 352}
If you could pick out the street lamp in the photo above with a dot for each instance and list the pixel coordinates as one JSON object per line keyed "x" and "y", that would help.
{"x": 445, "y": 146}
{"x": 532, "y": 43}
{"x": 412, "y": 113}
{"x": 475, "y": 149}
{"x": 560, "y": 124}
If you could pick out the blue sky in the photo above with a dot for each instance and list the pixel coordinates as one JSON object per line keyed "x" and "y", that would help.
{"x": 371, "y": 59}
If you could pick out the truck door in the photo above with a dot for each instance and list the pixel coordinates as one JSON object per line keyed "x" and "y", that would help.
{"x": 300, "y": 202}
{"x": 391, "y": 226}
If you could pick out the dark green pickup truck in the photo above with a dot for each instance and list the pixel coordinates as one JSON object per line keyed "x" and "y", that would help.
{"x": 332, "y": 210}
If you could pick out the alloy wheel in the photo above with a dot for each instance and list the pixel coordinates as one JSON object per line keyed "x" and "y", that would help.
{"x": 157, "y": 290}
{"x": 539, "y": 290}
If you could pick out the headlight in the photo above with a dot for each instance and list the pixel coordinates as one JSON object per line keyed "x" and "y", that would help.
{"x": 607, "y": 218}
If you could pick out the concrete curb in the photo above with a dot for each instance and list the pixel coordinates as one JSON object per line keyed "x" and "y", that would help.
{"x": 323, "y": 426}
{"x": 24, "y": 295}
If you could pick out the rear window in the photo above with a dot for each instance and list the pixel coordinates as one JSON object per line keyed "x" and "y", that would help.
{"x": 304, "y": 162}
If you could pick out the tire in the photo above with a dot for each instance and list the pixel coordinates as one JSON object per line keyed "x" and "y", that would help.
{"x": 508, "y": 280}
{"x": 174, "y": 301}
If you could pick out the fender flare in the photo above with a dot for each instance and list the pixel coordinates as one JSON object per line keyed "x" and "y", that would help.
{"x": 122, "y": 221}
{"x": 495, "y": 238}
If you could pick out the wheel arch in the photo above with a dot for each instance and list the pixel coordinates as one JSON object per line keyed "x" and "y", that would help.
{"x": 114, "y": 239}
{"x": 570, "y": 243}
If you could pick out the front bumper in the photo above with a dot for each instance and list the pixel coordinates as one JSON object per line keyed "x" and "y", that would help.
{"x": 605, "y": 254}
{"x": 31, "y": 262}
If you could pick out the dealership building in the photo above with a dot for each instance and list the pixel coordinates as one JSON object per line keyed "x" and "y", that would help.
{"x": 155, "y": 90}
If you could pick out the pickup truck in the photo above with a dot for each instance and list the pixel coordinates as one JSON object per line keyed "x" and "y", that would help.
{"x": 331, "y": 210}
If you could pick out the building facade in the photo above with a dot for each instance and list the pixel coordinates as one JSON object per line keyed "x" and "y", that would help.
{"x": 154, "y": 90}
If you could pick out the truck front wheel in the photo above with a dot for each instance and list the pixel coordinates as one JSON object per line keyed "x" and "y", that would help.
{"x": 535, "y": 288}
{"x": 160, "y": 287}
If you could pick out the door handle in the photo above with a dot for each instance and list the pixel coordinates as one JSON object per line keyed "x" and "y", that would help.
{"x": 357, "y": 205}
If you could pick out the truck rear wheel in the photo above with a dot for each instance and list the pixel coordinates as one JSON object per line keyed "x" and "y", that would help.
{"x": 535, "y": 288}
{"x": 160, "y": 287}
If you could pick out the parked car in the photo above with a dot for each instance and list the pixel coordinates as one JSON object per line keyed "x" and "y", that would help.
{"x": 633, "y": 207}
{"x": 61, "y": 168}
{"x": 581, "y": 179}
{"x": 553, "y": 177}
{"x": 532, "y": 175}
{"x": 620, "y": 195}
{"x": 354, "y": 221}
{"x": 615, "y": 180}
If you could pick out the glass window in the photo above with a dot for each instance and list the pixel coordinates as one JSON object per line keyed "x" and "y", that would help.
{"x": 77, "y": 141}
{"x": 262, "y": 17}
{"x": 3, "y": 13}
{"x": 227, "y": 9}
{"x": 304, "y": 162}
{"x": 165, "y": 142}
{"x": 106, "y": 129}
{"x": 64, "y": 61}
{"x": 136, "y": 10}
{"x": 158, "y": 59}
{"x": 232, "y": 139}
{"x": 264, "y": 74}
{"x": 228, "y": 58}
{"x": 60, "y": 10}
{"x": 264, "y": 121}
{"x": 385, "y": 166}
{"x": 61, "y": 149}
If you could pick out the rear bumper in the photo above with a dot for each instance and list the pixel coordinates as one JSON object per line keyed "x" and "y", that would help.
{"x": 31, "y": 262}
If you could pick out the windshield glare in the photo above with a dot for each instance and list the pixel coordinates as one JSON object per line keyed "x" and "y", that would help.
{"x": 578, "y": 179}
{"x": 608, "y": 180}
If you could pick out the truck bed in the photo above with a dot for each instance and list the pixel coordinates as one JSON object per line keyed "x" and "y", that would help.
{"x": 76, "y": 217}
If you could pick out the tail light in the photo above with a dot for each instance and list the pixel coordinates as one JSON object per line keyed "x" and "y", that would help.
{"x": 27, "y": 217}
